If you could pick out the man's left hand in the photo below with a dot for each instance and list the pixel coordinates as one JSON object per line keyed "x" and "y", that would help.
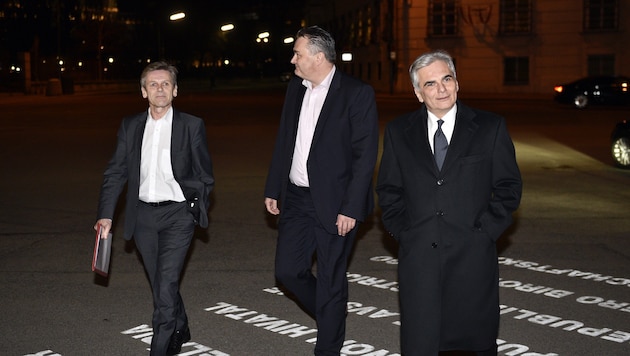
{"x": 345, "y": 224}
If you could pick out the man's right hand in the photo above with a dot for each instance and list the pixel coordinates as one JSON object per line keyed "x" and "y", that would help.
{"x": 105, "y": 225}
{"x": 272, "y": 206}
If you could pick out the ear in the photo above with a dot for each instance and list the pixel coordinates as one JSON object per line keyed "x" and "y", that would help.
{"x": 418, "y": 95}
{"x": 144, "y": 92}
{"x": 175, "y": 91}
{"x": 321, "y": 58}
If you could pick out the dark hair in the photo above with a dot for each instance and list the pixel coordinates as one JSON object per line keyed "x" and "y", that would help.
{"x": 161, "y": 65}
{"x": 319, "y": 41}
{"x": 426, "y": 60}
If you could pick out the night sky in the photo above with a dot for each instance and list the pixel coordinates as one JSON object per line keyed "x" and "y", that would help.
{"x": 208, "y": 8}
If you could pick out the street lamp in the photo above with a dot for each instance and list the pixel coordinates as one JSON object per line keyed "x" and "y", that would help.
{"x": 161, "y": 41}
{"x": 263, "y": 37}
{"x": 177, "y": 16}
{"x": 227, "y": 27}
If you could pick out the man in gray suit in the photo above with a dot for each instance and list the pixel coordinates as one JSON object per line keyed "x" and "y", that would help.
{"x": 162, "y": 156}
{"x": 447, "y": 186}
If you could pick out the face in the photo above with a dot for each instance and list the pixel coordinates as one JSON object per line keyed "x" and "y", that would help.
{"x": 305, "y": 63}
{"x": 438, "y": 88}
{"x": 159, "y": 89}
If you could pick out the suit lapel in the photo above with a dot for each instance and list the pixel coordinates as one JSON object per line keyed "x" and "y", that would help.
{"x": 177, "y": 131}
{"x": 294, "y": 111}
{"x": 464, "y": 130}
{"x": 135, "y": 150}
{"x": 329, "y": 103}
{"x": 416, "y": 135}
{"x": 138, "y": 134}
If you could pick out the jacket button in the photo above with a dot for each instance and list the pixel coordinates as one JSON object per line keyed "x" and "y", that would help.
{"x": 434, "y": 245}
{"x": 440, "y": 182}
{"x": 440, "y": 213}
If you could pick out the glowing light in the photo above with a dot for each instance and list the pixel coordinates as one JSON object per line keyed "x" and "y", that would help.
{"x": 177, "y": 16}
{"x": 227, "y": 27}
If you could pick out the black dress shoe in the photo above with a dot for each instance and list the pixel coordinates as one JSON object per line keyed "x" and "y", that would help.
{"x": 178, "y": 338}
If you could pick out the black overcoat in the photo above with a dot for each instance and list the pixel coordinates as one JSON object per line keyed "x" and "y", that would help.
{"x": 447, "y": 223}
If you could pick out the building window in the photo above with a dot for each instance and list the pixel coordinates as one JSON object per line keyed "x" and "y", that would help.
{"x": 601, "y": 15}
{"x": 516, "y": 71}
{"x": 370, "y": 30}
{"x": 601, "y": 64}
{"x": 516, "y": 16}
{"x": 360, "y": 28}
{"x": 443, "y": 17}
{"x": 352, "y": 38}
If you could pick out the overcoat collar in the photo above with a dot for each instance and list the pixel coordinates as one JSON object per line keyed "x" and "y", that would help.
{"x": 417, "y": 136}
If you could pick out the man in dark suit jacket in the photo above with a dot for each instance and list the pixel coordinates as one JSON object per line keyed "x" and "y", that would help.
{"x": 162, "y": 156}
{"x": 447, "y": 220}
{"x": 321, "y": 178}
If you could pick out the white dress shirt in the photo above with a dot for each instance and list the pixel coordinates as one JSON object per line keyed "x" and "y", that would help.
{"x": 157, "y": 182}
{"x": 447, "y": 127}
{"x": 309, "y": 114}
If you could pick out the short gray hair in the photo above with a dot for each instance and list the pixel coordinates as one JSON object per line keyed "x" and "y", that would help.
{"x": 428, "y": 59}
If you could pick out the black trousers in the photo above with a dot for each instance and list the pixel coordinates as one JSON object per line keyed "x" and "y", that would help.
{"x": 325, "y": 296}
{"x": 490, "y": 352}
{"x": 163, "y": 235}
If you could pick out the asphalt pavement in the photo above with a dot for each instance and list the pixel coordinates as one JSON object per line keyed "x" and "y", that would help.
{"x": 565, "y": 264}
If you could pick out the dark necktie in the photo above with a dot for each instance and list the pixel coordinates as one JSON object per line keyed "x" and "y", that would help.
{"x": 440, "y": 145}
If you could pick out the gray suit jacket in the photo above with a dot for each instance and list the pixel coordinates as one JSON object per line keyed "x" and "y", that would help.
{"x": 192, "y": 167}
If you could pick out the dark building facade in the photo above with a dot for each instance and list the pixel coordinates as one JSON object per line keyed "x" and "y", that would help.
{"x": 499, "y": 46}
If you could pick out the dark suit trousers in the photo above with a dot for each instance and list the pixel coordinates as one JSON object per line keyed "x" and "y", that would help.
{"x": 163, "y": 235}
{"x": 325, "y": 297}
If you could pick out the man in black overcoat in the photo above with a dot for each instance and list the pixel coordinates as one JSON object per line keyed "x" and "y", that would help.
{"x": 447, "y": 211}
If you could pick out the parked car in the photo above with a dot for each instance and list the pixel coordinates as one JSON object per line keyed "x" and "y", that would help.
{"x": 620, "y": 144}
{"x": 594, "y": 90}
